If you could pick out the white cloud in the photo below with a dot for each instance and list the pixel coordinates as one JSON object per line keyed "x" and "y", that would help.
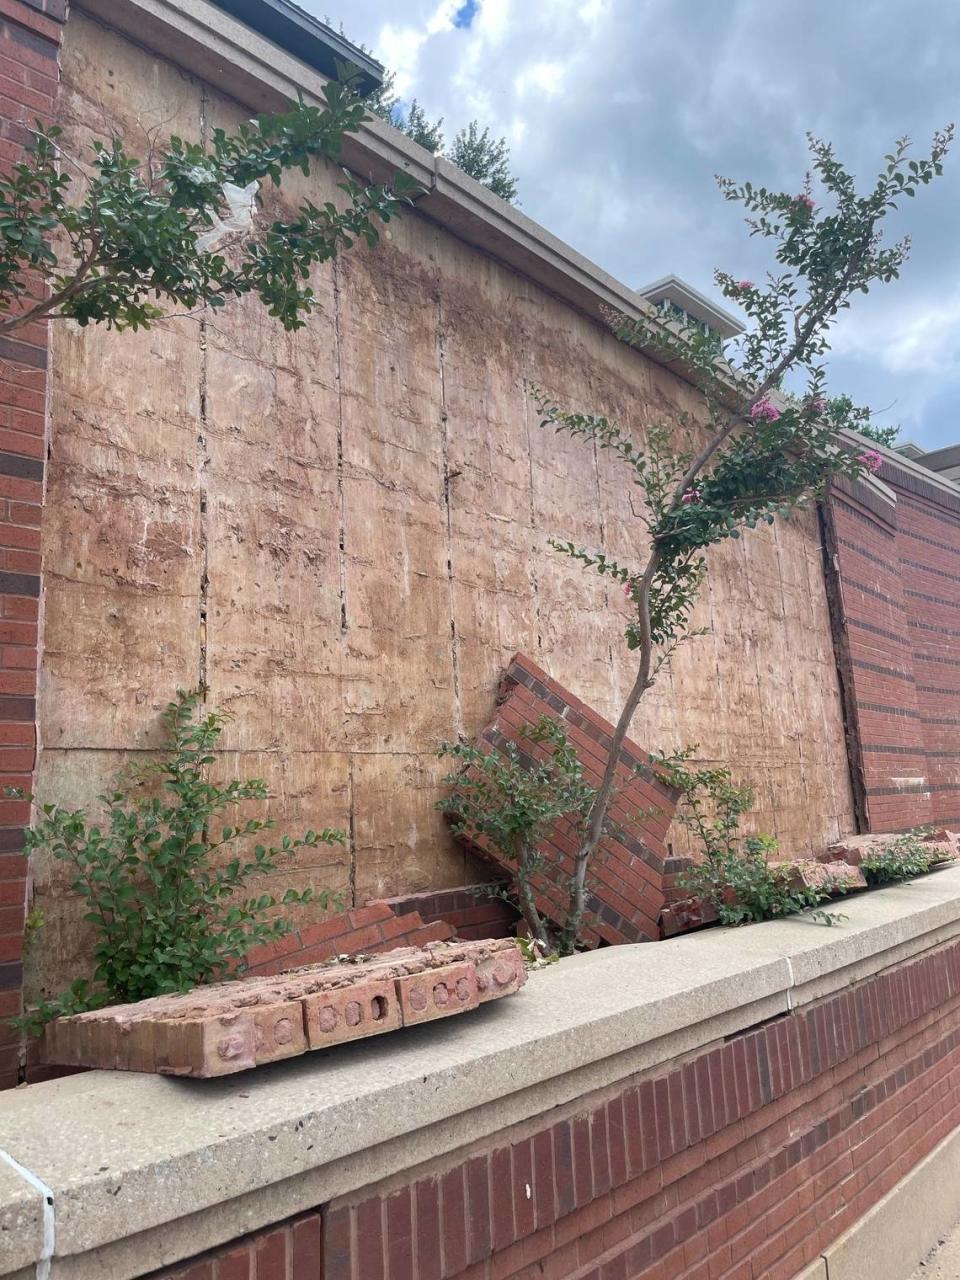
{"x": 922, "y": 336}
{"x": 619, "y": 112}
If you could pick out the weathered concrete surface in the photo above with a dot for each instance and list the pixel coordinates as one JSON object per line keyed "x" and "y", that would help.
{"x": 344, "y": 531}
{"x": 896, "y": 1235}
{"x": 148, "y": 1169}
{"x": 233, "y": 1026}
{"x": 943, "y": 1262}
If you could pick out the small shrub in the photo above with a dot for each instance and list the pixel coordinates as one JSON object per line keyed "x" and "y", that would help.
{"x": 168, "y": 914}
{"x": 510, "y": 801}
{"x": 735, "y": 876}
{"x": 903, "y": 858}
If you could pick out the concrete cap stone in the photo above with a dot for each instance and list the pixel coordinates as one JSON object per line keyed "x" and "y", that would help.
{"x": 138, "y": 1155}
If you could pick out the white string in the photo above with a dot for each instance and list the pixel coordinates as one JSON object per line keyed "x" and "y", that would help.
{"x": 48, "y": 1234}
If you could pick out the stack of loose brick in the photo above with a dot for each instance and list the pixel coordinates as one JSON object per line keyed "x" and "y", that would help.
{"x": 30, "y": 32}
{"x": 233, "y": 1026}
{"x": 625, "y": 883}
{"x": 366, "y": 930}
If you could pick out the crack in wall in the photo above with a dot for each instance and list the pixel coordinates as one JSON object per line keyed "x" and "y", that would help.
{"x": 341, "y": 507}
{"x": 448, "y": 475}
{"x": 203, "y": 462}
{"x": 342, "y": 571}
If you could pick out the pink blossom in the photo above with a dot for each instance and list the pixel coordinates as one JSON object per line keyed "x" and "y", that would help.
{"x": 817, "y": 404}
{"x": 628, "y": 587}
{"x": 764, "y": 411}
{"x": 692, "y": 495}
{"x": 872, "y": 460}
{"x": 743, "y": 285}
{"x": 806, "y": 201}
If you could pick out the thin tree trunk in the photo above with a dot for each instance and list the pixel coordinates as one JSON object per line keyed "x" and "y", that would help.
{"x": 528, "y": 907}
{"x": 596, "y": 818}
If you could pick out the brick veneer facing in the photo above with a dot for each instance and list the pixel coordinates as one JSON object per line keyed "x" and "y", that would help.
{"x": 625, "y": 881}
{"x": 469, "y": 911}
{"x": 744, "y": 1159}
{"x": 896, "y": 607}
{"x": 30, "y": 33}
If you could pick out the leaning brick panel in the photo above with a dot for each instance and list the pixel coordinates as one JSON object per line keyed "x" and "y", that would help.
{"x": 625, "y": 882}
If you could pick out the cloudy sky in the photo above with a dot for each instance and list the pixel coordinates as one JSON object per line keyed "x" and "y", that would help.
{"x": 619, "y": 112}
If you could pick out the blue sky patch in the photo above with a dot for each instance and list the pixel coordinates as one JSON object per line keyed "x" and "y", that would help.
{"x": 466, "y": 13}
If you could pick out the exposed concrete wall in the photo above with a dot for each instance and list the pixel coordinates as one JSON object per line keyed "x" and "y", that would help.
{"x": 344, "y": 532}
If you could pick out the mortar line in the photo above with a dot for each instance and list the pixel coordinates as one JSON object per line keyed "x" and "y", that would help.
{"x": 447, "y": 477}
{"x": 342, "y": 564}
{"x": 48, "y": 1232}
{"x": 602, "y": 530}
{"x": 341, "y": 503}
{"x": 203, "y": 461}
{"x": 525, "y": 410}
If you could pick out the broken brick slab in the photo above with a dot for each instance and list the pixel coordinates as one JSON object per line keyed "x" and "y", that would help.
{"x": 831, "y": 877}
{"x": 233, "y": 1026}
{"x": 625, "y": 882}
{"x": 941, "y": 844}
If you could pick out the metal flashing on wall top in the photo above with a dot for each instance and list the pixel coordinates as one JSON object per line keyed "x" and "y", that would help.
{"x": 314, "y": 42}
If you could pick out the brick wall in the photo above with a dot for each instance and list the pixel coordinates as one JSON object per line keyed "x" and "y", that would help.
{"x": 894, "y": 569}
{"x": 744, "y": 1159}
{"x": 625, "y": 879}
{"x": 370, "y": 929}
{"x": 29, "y": 46}
{"x": 469, "y": 911}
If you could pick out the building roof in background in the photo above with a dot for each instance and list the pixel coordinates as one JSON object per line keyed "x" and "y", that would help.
{"x": 694, "y": 303}
{"x": 313, "y": 41}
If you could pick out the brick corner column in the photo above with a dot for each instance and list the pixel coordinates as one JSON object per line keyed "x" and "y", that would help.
{"x": 30, "y": 35}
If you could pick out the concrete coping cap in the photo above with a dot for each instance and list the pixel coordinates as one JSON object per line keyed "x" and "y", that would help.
{"x": 125, "y": 1155}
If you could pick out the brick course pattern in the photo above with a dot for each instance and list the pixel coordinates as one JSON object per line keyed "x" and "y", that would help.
{"x": 744, "y": 1159}
{"x": 897, "y": 616}
{"x": 625, "y": 881}
{"x": 30, "y": 33}
{"x": 469, "y": 911}
{"x": 371, "y": 929}
{"x": 233, "y": 1026}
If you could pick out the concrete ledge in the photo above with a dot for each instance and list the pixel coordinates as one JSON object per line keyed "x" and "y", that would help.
{"x": 146, "y": 1170}
{"x": 894, "y": 1237}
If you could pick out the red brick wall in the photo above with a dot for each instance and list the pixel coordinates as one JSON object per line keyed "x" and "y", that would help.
{"x": 370, "y": 929}
{"x": 625, "y": 879}
{"x": 895, "y": 572}
{"x": 744, "y": 1159}
{"x": 468, "y": 911}
{"x": 928, "y": 539}
{"x": 29, "y": 46}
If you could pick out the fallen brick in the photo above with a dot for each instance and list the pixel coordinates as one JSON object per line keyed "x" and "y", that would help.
{"x": 808, "y": 873}
{"x": 352, "y": 1012}
{"x": 943, "y": 845}
{"x": 233, "y": 1026}
{"x": 437, "y": 993}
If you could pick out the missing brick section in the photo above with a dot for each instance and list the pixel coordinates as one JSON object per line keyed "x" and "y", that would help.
{"x": 756, "y": 1026}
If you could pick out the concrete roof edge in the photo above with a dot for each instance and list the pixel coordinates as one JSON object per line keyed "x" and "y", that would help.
{"x": 209, "y": 42}
{"x": 696, "y": 303}
{"x": 907, "y": 465}
{"x": 146, "y": 1170}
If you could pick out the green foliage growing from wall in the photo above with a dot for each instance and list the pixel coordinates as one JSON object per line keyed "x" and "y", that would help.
{"x": 164, "y": 878}
{"x": 182, "y": 227}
